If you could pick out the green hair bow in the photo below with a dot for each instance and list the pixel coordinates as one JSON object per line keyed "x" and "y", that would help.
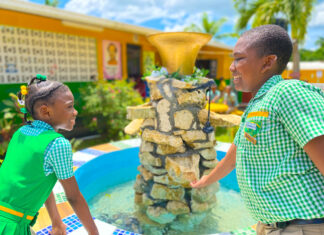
{"x": 41, "y": 77}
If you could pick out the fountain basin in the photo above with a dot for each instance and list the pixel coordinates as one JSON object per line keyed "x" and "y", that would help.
{"x": 107, "y": 184}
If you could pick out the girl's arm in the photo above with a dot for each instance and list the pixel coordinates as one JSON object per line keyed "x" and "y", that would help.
{"x": 79, "y": 204}
{"x": 58, "y": 227}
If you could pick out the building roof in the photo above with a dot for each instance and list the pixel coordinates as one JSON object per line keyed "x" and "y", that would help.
{"x": 83, "y": 21}
{"x": 308, "y": 65}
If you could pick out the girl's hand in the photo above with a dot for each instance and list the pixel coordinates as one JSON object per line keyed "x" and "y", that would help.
{"x": 200, "y": 183}
{"x": 59, "y": 229}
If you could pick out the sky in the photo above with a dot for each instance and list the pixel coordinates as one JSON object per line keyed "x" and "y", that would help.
{"x": 174, "y": 15}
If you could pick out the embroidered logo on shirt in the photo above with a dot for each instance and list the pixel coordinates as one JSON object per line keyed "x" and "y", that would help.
{"x": 251, "y": 125}
{"x": 250, "y": 138}
{"x": 251, "y": 130}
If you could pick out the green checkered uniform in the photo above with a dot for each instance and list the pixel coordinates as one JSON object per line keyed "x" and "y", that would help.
{"x": 277, "y": 179}
{"x": 58, "y": 154}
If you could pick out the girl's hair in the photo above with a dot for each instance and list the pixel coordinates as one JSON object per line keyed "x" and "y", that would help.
{"x": 41, "y": 90}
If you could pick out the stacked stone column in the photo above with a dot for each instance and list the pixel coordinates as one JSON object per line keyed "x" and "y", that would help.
{"x": 174, "y": 152}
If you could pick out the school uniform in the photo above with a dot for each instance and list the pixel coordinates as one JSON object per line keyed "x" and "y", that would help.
{"x": 36, "y": 158}
{"x": 279, "y": 183}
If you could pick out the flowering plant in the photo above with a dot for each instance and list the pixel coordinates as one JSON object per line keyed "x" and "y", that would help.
{"x": 105, "y": 107}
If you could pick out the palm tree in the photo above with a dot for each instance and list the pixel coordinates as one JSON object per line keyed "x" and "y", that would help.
{"x": 52, "y": 3}
{"x": 211, "y": 27}
{"x": 296, "y": 13}
{"x": 320, "y": 42}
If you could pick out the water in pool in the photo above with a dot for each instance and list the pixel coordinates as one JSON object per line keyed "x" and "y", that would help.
{"x": 116, "y": 206}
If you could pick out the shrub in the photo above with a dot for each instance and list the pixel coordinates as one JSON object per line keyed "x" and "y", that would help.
{"x": 10, "y": 120}
{"x": 105, "y": 107}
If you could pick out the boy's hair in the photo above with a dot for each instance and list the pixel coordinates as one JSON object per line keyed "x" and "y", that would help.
{"x": 42, "y": 91}
{"x": 271, "y": 40}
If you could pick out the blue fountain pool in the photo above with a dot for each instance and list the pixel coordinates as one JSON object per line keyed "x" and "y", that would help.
{"x": 107, "y": 184}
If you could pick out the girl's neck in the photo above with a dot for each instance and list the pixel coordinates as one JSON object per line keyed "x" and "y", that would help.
{"x": 47, "y": 123}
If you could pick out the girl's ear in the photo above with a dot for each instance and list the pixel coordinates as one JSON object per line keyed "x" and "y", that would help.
{"x": 270, "y": 62}
{"x": 44, "y": 111}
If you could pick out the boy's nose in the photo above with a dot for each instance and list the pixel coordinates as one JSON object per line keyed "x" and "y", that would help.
{"x": 232, "y": 67}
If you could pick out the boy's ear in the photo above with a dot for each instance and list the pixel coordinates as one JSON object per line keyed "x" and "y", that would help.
{"x": 270, "y": 62}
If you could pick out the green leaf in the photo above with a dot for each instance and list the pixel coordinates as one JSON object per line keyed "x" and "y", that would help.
{"x": 8, "y": 103}
{"x": 8, "y": 115}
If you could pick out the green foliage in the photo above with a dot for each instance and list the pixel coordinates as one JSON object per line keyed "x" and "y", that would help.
{"x": 75, "y": 144}
{"x": 318, "y": 54}
{"x": 52, "y": 3}
{"x": 10, "y": 120}
{"x": 296, "y": 12}
{"x": 209, "y": 26}
{"x": 197, "y": 75}
{"x": 156, "y": 71}
{"x": 105, "y": 107}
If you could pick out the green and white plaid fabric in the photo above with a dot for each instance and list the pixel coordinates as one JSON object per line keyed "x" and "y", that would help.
{"x": 58, "y": 154}
{"x": 277, "y": 179}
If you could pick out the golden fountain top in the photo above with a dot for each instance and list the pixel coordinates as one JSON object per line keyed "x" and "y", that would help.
{"x": 179, "y": 50}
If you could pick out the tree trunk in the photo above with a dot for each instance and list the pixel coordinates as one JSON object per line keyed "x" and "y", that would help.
{"x": 296, "y": 59}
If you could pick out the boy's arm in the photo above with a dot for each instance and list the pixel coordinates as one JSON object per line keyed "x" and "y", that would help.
{"x": 79, "y": 204}
{"x": 314, "y": 150}
{"x": 223, "y": 168}
{"x": 58, "y": 227}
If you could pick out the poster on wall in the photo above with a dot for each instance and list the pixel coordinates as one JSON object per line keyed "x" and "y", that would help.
{"x": 148, "y": 60}
{"x": 62, "y": 57}
{"x": 112, "y": 64}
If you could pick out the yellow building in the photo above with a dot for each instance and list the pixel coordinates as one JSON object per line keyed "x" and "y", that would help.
{"x": 312, "y": 72}
{"x": 76, "y": 49}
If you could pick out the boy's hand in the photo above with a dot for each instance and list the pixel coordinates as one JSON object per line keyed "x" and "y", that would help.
{"x": 58, "y": 229}
{"x": 200, "y": 183}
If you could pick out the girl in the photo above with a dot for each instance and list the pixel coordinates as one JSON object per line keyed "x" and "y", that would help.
{"x": 36, "y": 158}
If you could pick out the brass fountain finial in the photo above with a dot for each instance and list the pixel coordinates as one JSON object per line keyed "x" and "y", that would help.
{"x": 179, "y": 50}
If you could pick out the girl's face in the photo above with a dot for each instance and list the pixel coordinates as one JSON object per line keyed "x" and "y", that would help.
{"x": 62, "y": 113}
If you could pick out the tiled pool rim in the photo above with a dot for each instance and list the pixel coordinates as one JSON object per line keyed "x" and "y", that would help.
{"x": 85, "y": 156}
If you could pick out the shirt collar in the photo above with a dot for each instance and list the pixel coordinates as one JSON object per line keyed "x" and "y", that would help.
{"x": 42, "y": 125}
{"x": 267, "y": 85}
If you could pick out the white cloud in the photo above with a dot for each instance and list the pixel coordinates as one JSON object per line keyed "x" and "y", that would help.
{"x": 174, "y": 15}
{"x": 318, "y": 15}
{"x": 179, "y": 25}
{"x": 139, "y": 11}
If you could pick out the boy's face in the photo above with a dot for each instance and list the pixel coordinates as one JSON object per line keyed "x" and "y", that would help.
{"x": 62, "y": 112}
{"x": 246, "y": 67}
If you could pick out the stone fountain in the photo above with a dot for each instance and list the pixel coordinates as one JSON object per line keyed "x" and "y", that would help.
{"x": 175, "y": 150}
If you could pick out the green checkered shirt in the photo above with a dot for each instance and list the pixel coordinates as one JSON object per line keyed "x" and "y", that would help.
{"x": 277, "y": 179}
{"x": 58, "y": 154}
